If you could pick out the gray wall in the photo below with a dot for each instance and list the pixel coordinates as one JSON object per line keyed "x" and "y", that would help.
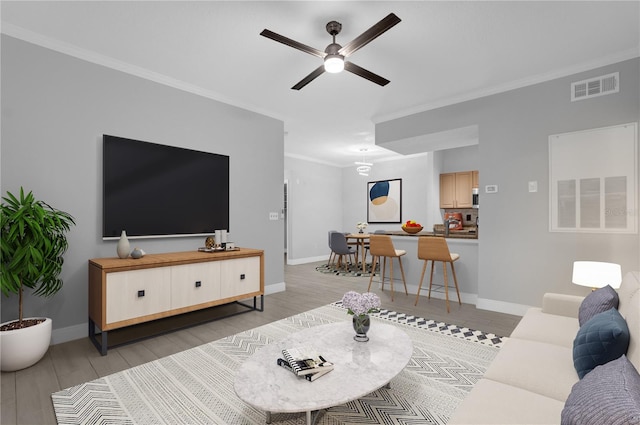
{"x": 55, "y": 109}
{"x": 419, "y": 192}
{"x": 315, "y": 207}
{"x": 519, "y": 258}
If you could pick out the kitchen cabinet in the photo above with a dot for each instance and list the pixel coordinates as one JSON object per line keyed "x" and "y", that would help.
{"x": 455, "y": 189}
{"x": 475, "y": 178}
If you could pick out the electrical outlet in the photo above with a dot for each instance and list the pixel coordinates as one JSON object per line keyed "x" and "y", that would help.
{"x": 533, "y": 186}
{"x": 273, "y": 216}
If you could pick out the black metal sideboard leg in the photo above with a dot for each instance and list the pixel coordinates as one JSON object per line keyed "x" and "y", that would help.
{"x": 101, "y": 346}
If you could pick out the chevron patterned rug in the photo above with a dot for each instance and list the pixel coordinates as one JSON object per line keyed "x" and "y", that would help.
{"x": 196, "y": 385}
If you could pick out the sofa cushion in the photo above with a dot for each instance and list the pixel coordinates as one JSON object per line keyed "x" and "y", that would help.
{"x": 492, "y": 402}
{"x": 597, "y": 301}
{"x": 537, "y": 325}
{"x": 610, "y": 394}
{"x": 603, "y": 338}
{"x": 629, "y": 308}
{"x": 538, "y": 367}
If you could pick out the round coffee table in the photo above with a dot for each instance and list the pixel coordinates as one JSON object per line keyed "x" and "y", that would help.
{"x": 359, "y": 369}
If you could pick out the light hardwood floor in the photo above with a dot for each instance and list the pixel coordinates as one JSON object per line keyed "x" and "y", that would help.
{"x": 26, "y": 394}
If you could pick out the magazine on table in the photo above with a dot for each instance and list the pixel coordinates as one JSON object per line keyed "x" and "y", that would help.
{"x": 305, "y": 360}
{"x": 310, "y": 377}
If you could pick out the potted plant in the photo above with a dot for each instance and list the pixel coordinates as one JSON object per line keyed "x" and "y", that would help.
{"x": 33, "y": 244}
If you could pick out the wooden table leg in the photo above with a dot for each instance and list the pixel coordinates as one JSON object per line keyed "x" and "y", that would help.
{"x": 363, "y": 255}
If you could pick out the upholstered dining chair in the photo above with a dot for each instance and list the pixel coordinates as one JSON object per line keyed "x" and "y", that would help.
{"x": 331, "y": 253}
{"x": 434, "y": 248}
{"x": 381, "y": 247}
{"x": 340, "y": 248}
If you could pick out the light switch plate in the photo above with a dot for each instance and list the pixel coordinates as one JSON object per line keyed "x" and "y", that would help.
{"x": 533, "y": 186}
{"x": 273, "y": 216}
{"x": 491, "y": 188}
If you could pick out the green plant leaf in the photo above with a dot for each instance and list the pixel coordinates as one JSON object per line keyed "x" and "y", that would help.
{"x": 33, "y": 244}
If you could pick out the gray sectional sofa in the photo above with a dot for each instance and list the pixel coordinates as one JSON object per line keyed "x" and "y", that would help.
{"x": 533, "y": 375}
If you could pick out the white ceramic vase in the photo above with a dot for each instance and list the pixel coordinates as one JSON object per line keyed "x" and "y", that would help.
{"x": 123, "y": 249}
{"x": 21, "y": 348}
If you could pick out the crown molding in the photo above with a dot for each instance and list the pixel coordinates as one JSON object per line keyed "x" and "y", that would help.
{"x": 109, "y": 62}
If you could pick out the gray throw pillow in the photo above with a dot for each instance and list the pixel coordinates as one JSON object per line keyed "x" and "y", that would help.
{"x": 609, "y": 394}
{"x": 600, "y": 300}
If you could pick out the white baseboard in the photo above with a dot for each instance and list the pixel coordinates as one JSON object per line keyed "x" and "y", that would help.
{"x": 467, "y": 298}
{"x": 413, "y": 289}
{"x": 70, "y": 333}
{"x": 274, "y": 288}
{"x": 298, "y": 261}
{"x": 502, "y": 306}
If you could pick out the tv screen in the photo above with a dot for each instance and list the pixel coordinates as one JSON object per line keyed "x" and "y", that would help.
{"x": 152, "y": 190}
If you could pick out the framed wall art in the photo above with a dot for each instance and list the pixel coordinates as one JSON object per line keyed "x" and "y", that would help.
{"x": 384, "y": 201}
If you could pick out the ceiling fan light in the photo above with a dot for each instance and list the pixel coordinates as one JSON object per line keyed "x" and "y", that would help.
{"x": 333, "y": 64}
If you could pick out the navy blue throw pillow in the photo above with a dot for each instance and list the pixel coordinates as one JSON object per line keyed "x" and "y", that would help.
{"x": 602, "y": 338}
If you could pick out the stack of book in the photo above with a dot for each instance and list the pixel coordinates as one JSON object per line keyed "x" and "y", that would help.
{"x": 305, "y": 363}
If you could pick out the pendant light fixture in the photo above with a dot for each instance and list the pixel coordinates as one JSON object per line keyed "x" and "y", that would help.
{"x": 363, "y": 167}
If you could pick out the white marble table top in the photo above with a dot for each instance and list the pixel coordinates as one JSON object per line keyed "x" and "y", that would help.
{"x": 359, "y": 368}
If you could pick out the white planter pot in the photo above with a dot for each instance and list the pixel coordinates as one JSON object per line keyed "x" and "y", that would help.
{"x": 21, "y": 348}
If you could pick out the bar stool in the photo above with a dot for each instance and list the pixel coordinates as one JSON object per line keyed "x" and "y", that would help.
{"x": 432, "y": 248}
{"x": 382, "y": 246}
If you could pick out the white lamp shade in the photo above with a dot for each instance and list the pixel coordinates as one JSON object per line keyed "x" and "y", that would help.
{"x": 333, "y": 64}
{"x": 595, "y": 274}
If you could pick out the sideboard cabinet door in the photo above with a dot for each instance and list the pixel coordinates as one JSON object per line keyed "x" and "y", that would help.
{"x": 240, "y": 276}
{"x": 137, "y": 293}
{"x": 193, "y": 284}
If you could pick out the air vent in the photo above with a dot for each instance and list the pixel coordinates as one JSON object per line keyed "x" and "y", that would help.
{"x": 594, "y": 87}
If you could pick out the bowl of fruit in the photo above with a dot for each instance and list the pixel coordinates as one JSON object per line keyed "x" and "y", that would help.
{"x": 412, "y": 227}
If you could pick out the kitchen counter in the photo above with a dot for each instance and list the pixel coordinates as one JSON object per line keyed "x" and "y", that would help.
{"x": 467, "y": 232}
{"x": 466, "y": 267}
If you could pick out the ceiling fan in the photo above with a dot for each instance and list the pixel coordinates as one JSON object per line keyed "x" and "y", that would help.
{"x": 334, "y": 55}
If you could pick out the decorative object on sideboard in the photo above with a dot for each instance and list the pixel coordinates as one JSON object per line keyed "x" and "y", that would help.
{"x": 412, "y": 227}
{"x": 33, "y": 244}
{"x": 123, "y": 248}
{"x": 137, "y": 253}
{"x": 360, "y": 306}
{"x": 220, "y": 238}
{"x": 209, "y": 242}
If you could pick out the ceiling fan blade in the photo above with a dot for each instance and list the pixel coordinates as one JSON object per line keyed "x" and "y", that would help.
{"x": 309, "y": 78}
{"x": 292, "y": 43}
{"x": 355, "y": 69}
{"x": 369, "y": 35}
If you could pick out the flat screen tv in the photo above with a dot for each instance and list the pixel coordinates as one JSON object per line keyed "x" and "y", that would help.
{"x": 153, "y": 190}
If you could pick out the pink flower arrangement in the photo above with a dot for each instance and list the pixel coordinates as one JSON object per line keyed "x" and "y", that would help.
{"x": 359, "y": 304}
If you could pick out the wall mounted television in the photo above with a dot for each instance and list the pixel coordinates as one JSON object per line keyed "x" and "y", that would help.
{"x": 153, "y": 190}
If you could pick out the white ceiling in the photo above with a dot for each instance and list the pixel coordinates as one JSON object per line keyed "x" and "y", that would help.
{"x": 441, "y": 52}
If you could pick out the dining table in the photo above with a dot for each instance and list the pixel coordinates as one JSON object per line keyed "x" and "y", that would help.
{"x": 360, "y": 239}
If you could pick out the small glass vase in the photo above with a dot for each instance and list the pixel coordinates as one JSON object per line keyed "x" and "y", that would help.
{"x": 361, "y": 231}
{"x": 361, "y": 324}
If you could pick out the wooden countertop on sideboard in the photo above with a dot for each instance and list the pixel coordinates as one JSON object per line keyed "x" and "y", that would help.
{"x": 170, "y": 259}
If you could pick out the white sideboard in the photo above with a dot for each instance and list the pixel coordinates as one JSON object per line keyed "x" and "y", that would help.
{"x": 125, "y": 292}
